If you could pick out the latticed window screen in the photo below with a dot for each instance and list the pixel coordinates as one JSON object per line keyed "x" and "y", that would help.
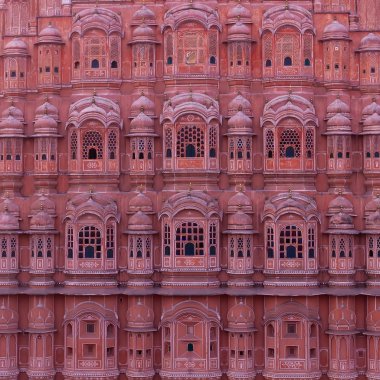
{"x": 232, "y": 247}
{"x": 189, "y": 240}
{"x": 114, "y": 51}
{"x": 290, "y": 143}
{"x": 8, "y": 247}
{"x": 309, "y": 143}
{"x": 169, "y": 46}
{"x": 268, "y": 48}
{"x": 374, "y": 246}
{"x": 212, "y": 238}
{"x": 167, "y": 238}
{"x": 95, "y": 52}
{"x": 76, "y": 50}
{"x": 112, "y": 149}
{"x": 212, "y": 141}
{"x": 287, "y": 46}
{"x": 190, "y": 142}
{"x": 110, "y": 242}
{"x": 191, "y": 47}
{"x": 291, "y": 245}
{"x": 70, "y": 242}
{"x": 92, "y": 146}
{"x": 308, "y": 47}
{"x": 311, "y": 243}
{"x": 89, "y": 243}
{"x": 270, "y": 242}
{"x": 269, "y": 144}
{"x": 168, "y": 142}
{"x": 212, "y": 43}
{"x": 73, "y": 145}
{"x": 333, "y": 247}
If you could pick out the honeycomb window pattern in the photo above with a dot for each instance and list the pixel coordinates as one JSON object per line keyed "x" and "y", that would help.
{"x": 290, "y": 145}
{"x": 189, "y": 239}
{"x": 92, "y": 145}
{"x": 190, "y": 142}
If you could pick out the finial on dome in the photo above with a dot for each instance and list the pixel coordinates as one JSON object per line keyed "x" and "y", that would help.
{"x": 290, "y": 194}
{"x": 41, "y": 206}
{"x": 45, "y": 110}
{"x": 140, "y": 188}
{"x": 286, "y": 4}
{"x": 12, "y": 101}
{"x": 241, "y": 300}
{"x": 6, "y": 195}
{"x": 91, "y": 191}
{"x": 142, "y": 92}
{"x": 340, "y": 192}
{"x": 190, "y": 188}
{"x": 142, "y": 109}
{"x": 240, "y": 108}
{"x": 240, "y": 187}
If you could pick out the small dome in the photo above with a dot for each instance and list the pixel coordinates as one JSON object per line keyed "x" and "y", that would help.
{"x": 47, "y": 109}
{"x": 241, "y": 317}
{"x": 372, "y": 121}
{"x": 342, "y": 319}
{"x": 143, "y": 33}
{"x": 238, "y": 12}
{"x": 41, "y": 317}
{"x": 237, "y": 103}
{"x": 142, "y": 103}
{"x": 340, "y": 219}
{"x": 140, "y": 316}
{"x": 239, "y": 221}
{"x": 371, "y": 109}
{"x": 93, "y": 108}
{"x": 42, "y": 221}
{"x": 339, "y": 120}
{"x": 373, "y": 205}
{"x": 340, "y": 202}
{"x": 11, "y": 126}
{"x": 45, "y": 124}
{"x": 14, "y": 111}
{"x": 50, "y": 35}
{"x": 9, "y": 215}
{"x": 142, "y": 123}
{"x": 238, "y": 30}
{"x": 8, "y": 318}
{"x": 338, "y": 106}
{"x": 239, "y": 201}
{"x": 240, "y": 121}
{"x": 371, "y": 42}
{"x": 335, "y": 30}
{"x": 141, "y": 202}
{"x": 43, "y": 203}
{"x": 140, "y": 222}
{"x": 16, "y": 47}
{"x": 144, "y": 14}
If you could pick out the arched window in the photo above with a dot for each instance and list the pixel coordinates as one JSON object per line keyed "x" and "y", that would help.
{"x": 270, "y": 243}
{"x": 269, "y": 144}
{"x": 291, "y": 244}
{"x": 268, "y": 63}
{"x": 92, "y": 147}
{"x": 190, "y": 142}
{"x": 95, "y": 64}
{"x": 287, "y": 61}
{"x": 290, "y": 143}
{"x": 89, "y": 243}
{"x": 190, "y": 240}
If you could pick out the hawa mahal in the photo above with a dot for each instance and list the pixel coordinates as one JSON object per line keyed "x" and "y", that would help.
{"x": 190, "y": 190}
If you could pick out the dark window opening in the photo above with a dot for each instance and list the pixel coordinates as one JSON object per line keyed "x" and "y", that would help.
{"x": 13, "y": 74}
{"x": 76, "y": 64}
{"x": 336, "y": 66}
{"x": 167, "y": 251}
{"x": 112, "y": 155}
{"x": 40, "y": 69}
{"x": 327, "y": 67}
{"x": 288, "y": 61}
{"x": 347, "y": 154}
{"x": 212, "y": 60}
{"x": 69, "y": 253}
{"x": 270, "y": 154}
{"x": 168, "y": 153}
{"x": 368, "y": 155}
{"x": 94, "y": 64}
{"x": 17, "y": 157}
{"x": 189, "y": 249}
{"x": 289, "y": 152}
{"x": 89, "y": 252}
{"x": 308, "y": 154}
{"x": 238, "y": 63}
{"x": 212, "y": 250}
{"x": 43, "y": 157}
{"x": 149, "y": 155}
{"x": 307, "y": 62}
{"x": 56, "y": 70}
{"x": 190, "y": 150}
{"x": 47, "y": 69}
{"x": 169, "y": 61}
{"x": 373, "y": 70}
{"x": 270, "y": 253}
{"x": 240, "y": 155}
{"x": 141, "y": 156}
{"x": 109, "y": 253}
{"x": 190, "y": 347}
{"x": 340, "y": 155}
{"x": 212, "y": 153}
{"x": 90, "y": 328}
{"x": 114, "y": 65}
{"x": 92, "y": 154}
{"x": 311, "y": 253}
{"x": 291, "y": 252}
{"x": 268, "y": 63}
{"x": 377, "y": 154}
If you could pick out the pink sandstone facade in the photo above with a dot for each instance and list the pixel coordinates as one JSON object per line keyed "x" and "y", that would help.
{"x": 190, "y": 189}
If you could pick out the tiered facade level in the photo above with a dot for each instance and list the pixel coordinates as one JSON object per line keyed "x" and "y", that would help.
{"x": 190, "y": 190}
